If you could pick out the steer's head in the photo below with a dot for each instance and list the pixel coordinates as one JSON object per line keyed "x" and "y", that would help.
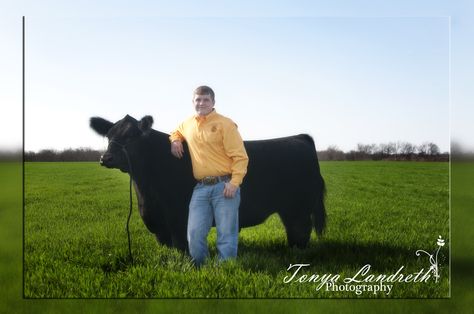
{"x": 123, "y": 135}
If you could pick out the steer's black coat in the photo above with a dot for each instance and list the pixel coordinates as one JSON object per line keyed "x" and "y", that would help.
{"x": 283, "y": 176}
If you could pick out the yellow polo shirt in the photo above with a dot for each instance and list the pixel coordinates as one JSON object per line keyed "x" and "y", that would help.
{"x": 215, "y": 146}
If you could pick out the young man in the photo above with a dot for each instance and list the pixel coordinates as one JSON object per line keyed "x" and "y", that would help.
{"x": 219, "y": 164}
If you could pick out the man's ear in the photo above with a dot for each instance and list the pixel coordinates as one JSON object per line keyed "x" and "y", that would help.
{"x": 100, "y": 125}
{"x": 145, "y": 123}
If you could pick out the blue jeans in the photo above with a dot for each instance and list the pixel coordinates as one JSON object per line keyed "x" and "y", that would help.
{"x": 208, "y": 202}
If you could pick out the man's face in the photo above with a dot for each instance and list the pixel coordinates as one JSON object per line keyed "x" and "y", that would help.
{"x": 203, "y": 104}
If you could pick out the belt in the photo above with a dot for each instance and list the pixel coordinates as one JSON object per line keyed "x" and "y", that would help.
{"x": 214, "y": 180}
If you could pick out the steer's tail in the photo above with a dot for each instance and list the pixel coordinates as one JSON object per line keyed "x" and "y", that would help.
{"x": 319, "y": 211}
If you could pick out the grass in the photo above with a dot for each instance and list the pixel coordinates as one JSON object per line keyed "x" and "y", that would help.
{"x": 379, "y": 213}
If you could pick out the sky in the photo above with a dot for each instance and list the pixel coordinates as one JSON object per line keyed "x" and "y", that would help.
{"x": 341, "y": 73}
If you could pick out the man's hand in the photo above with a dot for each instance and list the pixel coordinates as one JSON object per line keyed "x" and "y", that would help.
{"x": 177, "y": 149}
{"x": 229, "y": 190}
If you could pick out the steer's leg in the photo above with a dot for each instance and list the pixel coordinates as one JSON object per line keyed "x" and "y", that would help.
{"x": 164, "y": 237}
{"x": 298, "y": 227}
{"x": 180, "y": 242}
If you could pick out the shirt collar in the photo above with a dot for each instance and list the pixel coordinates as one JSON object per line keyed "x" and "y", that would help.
{"x": 210, "y": 115}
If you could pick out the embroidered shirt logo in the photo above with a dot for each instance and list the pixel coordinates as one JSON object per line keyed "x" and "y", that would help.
{"x": 214, "y": 128}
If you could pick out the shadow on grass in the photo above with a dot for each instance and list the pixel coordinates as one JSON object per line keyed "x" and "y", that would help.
{"x": 332, "y": 256}
{"x": 116, "y": 264}
{"x": 274, "y": 258}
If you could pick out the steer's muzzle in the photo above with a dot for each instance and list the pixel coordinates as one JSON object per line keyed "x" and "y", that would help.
{"x": 109, "y": 161}
{"x": 105, "y": 159}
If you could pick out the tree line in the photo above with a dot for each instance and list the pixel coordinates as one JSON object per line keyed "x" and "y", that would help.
{"x": 427, "y": 151}
{"x": 70, "y": 154}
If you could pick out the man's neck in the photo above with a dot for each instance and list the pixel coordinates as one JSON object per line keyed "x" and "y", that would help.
{"x": 205, "y": 115}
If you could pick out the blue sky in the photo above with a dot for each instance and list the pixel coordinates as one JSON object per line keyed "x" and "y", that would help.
{"x": 343, "y": 74}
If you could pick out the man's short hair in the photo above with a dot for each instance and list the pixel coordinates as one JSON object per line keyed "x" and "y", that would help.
{"x": 205, "y": 90}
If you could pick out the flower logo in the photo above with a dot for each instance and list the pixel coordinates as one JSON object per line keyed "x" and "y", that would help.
{"x": 433, "y": 257}
{"x": 440, "y": 241}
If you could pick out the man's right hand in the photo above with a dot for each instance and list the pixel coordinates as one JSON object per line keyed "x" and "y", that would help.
{"x": 177, "y": 149}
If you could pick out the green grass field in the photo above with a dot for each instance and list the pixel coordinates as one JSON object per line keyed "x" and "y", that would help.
{"x": 379, "y": 213}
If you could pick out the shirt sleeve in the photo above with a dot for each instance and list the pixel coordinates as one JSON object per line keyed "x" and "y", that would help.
{"x": 177, "y": 135}
{"x": 235, "y": 150}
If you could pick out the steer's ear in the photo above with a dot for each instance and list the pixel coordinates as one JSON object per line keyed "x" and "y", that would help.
{"x": 101, "y": 126}
{"x": 145, "y": 123}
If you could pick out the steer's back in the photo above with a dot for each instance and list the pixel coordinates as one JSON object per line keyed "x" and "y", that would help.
{"x": 282, "y": 174}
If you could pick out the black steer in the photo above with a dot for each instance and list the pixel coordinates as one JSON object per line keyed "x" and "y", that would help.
{"x": 283, "y": 176}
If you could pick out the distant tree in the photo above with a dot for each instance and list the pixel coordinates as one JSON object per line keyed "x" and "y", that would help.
{"x": 422, "y": 149}
{"x": 355, "y": 155}
{"x": 392, "y": 148}
{"x": 388, "y": 148}
{"x": 364, "y": 148}
{"x": 373, "y": 148}
{"x": 433, "y": 149}
{"x": 407, "y": 148}
{"x": 331, "y": 153}
{"x": 382, "y": 148}
{"x": 363, "y": 152}
{"x": 48, "y": 155}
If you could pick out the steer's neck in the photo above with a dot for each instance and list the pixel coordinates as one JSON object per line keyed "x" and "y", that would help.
{"x": 152, "y": 162}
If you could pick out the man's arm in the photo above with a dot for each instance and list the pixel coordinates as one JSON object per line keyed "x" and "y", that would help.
{"x": 234, "y": 148}
{"x": 177, "y": 149}
{"x": 176, "y": 139}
